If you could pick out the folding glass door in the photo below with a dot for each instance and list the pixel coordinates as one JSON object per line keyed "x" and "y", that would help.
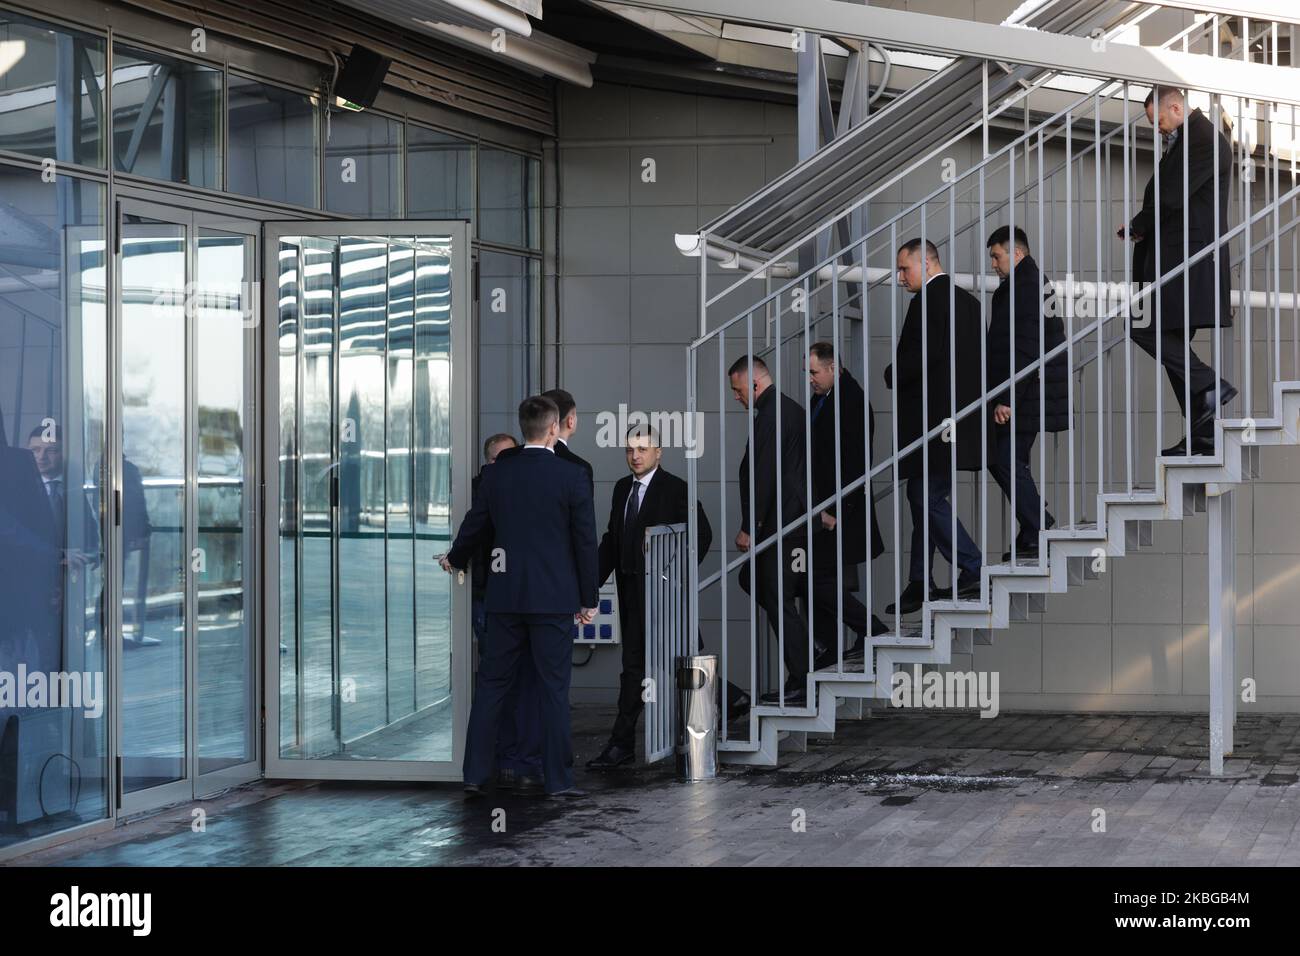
{"x": 366, "y": 360}
{"x": 184, "y": 516}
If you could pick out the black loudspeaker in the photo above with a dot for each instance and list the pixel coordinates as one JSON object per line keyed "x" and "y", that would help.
{"x": 361, "y": 76}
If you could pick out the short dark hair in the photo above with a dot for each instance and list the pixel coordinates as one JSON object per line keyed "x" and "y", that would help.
{"x": 1002, "y": 236}
{"x": 644, "y": 431}
{"x": 496, "y": 439}
{"x": 824, "y": 351}
{"x": 742, "y": 365}
{"x": 39, "y": 432}
{"x": 536, "y": 415}
{"x": 1166, "y": 93}
{"x": 563, "y": 401}
{"x": 914, "y": 245}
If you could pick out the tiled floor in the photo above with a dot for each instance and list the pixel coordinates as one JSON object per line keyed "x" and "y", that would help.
{"x": 897, "y": 788}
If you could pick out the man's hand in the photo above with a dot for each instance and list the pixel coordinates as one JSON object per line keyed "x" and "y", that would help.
{"x": 742, "y": 541}
{"x": 1002, "y": 414}
{"x": 1124, "y": 232}
{"x": 445, "y": 564}
{"x": 585, "y": 616}
{"x": 828, "y": 521}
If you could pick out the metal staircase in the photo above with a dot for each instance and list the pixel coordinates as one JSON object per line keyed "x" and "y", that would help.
{"x": 1072, "y": 176}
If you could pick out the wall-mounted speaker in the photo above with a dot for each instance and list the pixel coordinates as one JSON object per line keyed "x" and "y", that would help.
{"x": 361, "y": 76}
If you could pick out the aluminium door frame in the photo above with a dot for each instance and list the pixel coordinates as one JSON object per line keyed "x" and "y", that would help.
{"x": 462, "y": 459}
{"x": 175, "y": 210}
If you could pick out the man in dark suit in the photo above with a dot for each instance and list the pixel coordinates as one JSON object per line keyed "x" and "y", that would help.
{"x": 1018, "y": 413}
{"x": 927, "y": 363}
{"x": 647, "y": 497}
{"x": 777, "y": 585}
{"x": 30, "y": 567}
{"x": 538, "y": 510}
{"x": 568, "y": 425}
{"x": 519, "y": 743}
{"x": 855, "y": 417}
{"x": 1192, "y": 139}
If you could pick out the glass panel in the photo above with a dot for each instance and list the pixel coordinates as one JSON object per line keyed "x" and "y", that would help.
{"x": 439, "y": 175}
{"x": 363, "y": 268}
{"x": 223, "y": 310}
{"x": 400, "y": 522}
{"x": 389, "y": 697}
{"x": 290, "y": 299}
{"x": 433, "y": 313}
{"x": 509, "y": 308}
{"x": 318, "y": 729}
{"x": 273, "y": 153}
{"x": 363, "y": 165}
{"x": 51, "y": 91}
{"x": 53, "y": 328}
{"x": 508, "y": 198}
{"x": 166, "y": 118}
{"x": 153, "y": 502}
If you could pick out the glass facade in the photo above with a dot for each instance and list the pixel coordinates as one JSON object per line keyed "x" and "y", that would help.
{"x": 363, "y": 338}
{"x": 53, "y": 419}
{"x": 273, "y": 153}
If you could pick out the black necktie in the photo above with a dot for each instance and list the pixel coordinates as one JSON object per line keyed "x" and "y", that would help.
{"x": 55, "y": 489}
{"x": 630, "y": 543}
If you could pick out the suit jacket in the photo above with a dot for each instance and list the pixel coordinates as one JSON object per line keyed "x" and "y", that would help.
{"x": 538, "y": 509}
{"x": 772, "y": 451}
{"x": 941, "y": 364}
{"x": 1034, "y": 308}
{"x": 563, "y": 451}
{"x": 665, "y": 501}
{"x": 30, "y": 570}
{"x": 481, "y": 559}
{"x": 1197, "y": 136}
{"x": 857, "y": 427}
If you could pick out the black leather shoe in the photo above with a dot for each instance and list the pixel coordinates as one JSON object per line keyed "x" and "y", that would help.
{"x": 474, "y": 791}
{"x": 968, "y": 589}
{"x": 612, "y": 756}
{"x": 572, "y": 793}
{"x": 910, "y": 600}
{"x": 1024, "y": 549}
{"x": 1201, "y": 445}
{"x": 506, "y": 778}
{"x": 527, "y": 784}
{"x": 1203, "y": 406}
{"x": 796, "y": 694}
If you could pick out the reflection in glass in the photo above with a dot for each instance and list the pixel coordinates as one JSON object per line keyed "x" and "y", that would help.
{"x": 224, "y": 637}
{"x": 439, "y": 175}
{"x": 51, "y": 91}
{"x": 272, "y": 142}
{"x": 363, "y": 165}
{"x": 166, "y": 118}
{"x": 508, "y": 328}
{"x": 53, "y": 765}
{"x": 318, "y": 728}
{"x": 153, "y": 502}
{"x": 363, "y": 267}
{"x": 366, "y": 652}
{"x": 508, "y": 198}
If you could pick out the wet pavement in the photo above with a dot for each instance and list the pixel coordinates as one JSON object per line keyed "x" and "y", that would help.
{"x": 895, "y": 788}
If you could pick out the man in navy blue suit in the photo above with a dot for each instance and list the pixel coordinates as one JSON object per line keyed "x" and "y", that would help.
{"x": 537, "y": 510}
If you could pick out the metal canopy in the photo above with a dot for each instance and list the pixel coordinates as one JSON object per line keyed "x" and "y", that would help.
{"x": 919, "y": 120}
{"x": 905, "y": 130}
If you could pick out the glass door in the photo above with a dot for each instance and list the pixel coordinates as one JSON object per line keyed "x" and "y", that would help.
{"x": 186, "y": 686}
{"x": 366, "y": 362}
